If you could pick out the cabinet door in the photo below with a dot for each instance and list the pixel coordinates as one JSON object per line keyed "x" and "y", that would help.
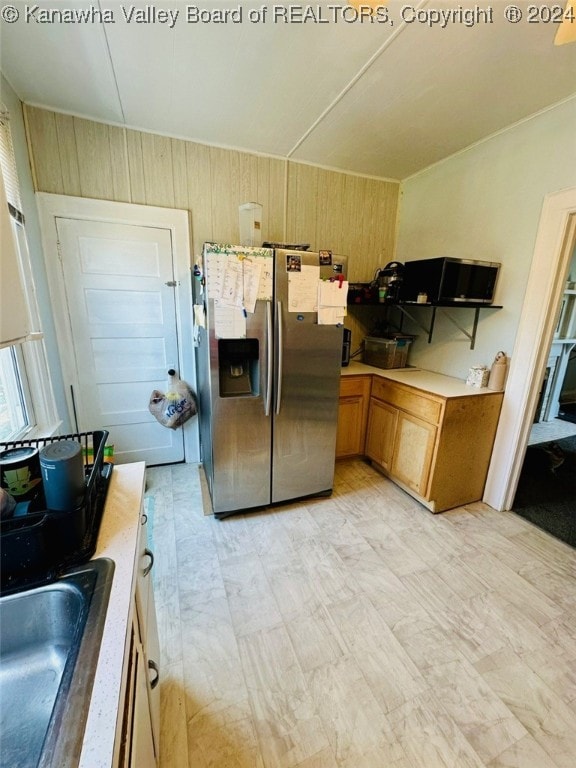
{"x": 382, "y": 424}
{"x": 152, "y": 654}
{"x": 142, "y": 749}
{"x": 352, "y": 414}
{"x": 349, "y": 439}
{"x": 413, "y": 452}
{"x": 148, "y": 626}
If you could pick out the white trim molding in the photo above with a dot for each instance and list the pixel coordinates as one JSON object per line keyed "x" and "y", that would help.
{"x": 553, "y": 250}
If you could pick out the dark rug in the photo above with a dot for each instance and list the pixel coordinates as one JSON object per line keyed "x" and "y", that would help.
{"x": 546, "y": 493}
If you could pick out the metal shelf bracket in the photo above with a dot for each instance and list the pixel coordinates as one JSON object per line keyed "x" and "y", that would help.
{"x": 471, "y": 336}
{"x": 429, "y": 330}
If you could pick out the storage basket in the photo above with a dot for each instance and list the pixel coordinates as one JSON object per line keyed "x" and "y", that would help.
{"x": 379, "y": 352}
{"x": 390, "y": 352}
{"x": 401, "y": 352}
{"x": 37, "y": 546}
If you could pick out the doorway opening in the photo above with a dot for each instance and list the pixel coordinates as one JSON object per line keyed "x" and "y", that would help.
{"x": 546, "y": 489}
{"x": 554, "y": 247}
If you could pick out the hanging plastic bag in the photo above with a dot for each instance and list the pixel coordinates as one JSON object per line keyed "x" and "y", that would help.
{"x": 176, "y": 405}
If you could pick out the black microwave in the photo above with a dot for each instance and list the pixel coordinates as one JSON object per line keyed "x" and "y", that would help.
{"x": 445, "y": 280}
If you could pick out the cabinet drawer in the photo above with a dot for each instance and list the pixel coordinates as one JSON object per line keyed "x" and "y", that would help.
{"x": 407, "y": 399}
{"x": 354, "y": 385}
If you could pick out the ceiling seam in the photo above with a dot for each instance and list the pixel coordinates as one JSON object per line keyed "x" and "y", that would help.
{"x": 352, "y": 83}
{"x": 112, "y": 66}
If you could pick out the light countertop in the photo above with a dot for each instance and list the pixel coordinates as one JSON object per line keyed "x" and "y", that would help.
{"x": 427, "y": 381}
{"x": 118, "y": 540}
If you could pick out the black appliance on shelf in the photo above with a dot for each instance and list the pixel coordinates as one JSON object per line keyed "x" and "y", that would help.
{"x": 389, "y": 281}
{"x": 346, "y": 344}
{"x": 446, "y": 280}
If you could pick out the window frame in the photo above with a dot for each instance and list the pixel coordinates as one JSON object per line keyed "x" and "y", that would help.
{"x": 16, "y": 392}
{"x": 32, "y": 368}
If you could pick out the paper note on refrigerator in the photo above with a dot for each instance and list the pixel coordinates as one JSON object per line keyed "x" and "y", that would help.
{"x": 215, "y": 267}
{"x": 303, "y": 289}
{"x": 332, "y": 301}
{"x": 252, "y": 269}
{"x": 266, "y": 272}
{"x": 231, "y": 289}
{"x": 229, "y": 322}
{"x": 199, "y": 316}
{"x": 240, "y": 282}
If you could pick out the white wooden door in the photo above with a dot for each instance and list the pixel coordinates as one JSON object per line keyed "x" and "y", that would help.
{"x": 119, "y": 286}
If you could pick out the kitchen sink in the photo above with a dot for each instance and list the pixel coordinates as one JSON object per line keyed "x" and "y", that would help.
{"x": 49, "y": 644}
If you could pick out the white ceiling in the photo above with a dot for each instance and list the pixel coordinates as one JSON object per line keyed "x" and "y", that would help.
{"x": 374, "y": 98}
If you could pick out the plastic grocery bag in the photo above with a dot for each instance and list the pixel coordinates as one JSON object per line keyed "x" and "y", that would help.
{"x": 176, "y": 405}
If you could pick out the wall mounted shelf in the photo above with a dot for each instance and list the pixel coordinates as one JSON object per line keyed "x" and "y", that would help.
{"x": 407, "y": 308}
{"x": 429, "y": 330}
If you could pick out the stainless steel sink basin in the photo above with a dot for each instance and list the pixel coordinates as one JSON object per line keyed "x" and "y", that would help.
{"x": 49, "y": 644}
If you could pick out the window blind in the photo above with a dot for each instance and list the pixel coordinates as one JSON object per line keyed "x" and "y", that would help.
{"x": 15, "y": 324}
{"x": 8, "y": 166}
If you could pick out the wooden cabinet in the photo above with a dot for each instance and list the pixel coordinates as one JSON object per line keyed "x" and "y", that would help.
{"x": 137, "y": 748}
{"x": 382, "y": 421}
{"x": 148, "y": 628}
{"x": 143, "y": 754}
{"x": 414, "y": 447}
{"x": 352, "y": 415}
{"x": 436, "y": 447}
{"x": 140, "y": 729}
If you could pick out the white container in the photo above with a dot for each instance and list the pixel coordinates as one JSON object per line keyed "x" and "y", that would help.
{"x": 250, "y": 224}
{"x": 478, "y": 376}
{"x": 498, "y": 372}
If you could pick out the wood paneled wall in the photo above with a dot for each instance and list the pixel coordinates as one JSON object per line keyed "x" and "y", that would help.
{"x": 348, "y": 214}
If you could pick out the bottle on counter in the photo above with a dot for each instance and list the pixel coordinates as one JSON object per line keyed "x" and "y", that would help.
{"x": 498, "y": 372}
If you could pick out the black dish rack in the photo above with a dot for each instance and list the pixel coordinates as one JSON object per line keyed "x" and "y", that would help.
{"x": 39, "y": 546}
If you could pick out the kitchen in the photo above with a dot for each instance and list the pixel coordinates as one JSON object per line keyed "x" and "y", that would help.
{"x": 488, "y": 199}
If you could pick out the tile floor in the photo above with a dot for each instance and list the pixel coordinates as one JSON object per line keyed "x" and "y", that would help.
{"x": 361, "y": 631}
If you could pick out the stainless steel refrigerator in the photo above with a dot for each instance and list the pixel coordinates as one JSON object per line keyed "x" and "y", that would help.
{"x": 268, "y": 354}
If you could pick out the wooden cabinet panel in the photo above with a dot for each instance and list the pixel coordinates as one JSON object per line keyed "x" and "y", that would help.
{"x": 352, "y": 415}
{"x": 142, "y": 747}
{"x": 414, "y": 448}
{"x": 382, "y": 421}
{"x": 148, "y": 630}
{"x": 437, "y": 448}
{"x": 427, "y": 407}
{"x": 463, "y": 455}
{"x": 354, "y": 385}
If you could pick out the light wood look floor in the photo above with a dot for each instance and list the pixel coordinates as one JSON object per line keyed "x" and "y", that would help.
{"x": 361, "y": 631}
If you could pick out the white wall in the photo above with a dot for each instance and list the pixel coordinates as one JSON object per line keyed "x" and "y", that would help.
{"x": 11, "y": 101}
{"x": 485, "y": 203}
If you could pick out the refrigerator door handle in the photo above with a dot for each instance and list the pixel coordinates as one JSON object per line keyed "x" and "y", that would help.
{"x": 269, "y": 359}
{"x": 280, "y": 353}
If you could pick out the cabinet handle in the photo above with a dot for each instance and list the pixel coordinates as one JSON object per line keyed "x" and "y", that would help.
{"x": 144, "y": 518}
{"x": 154, "y": 667}
{"x": 148, "y": 568}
